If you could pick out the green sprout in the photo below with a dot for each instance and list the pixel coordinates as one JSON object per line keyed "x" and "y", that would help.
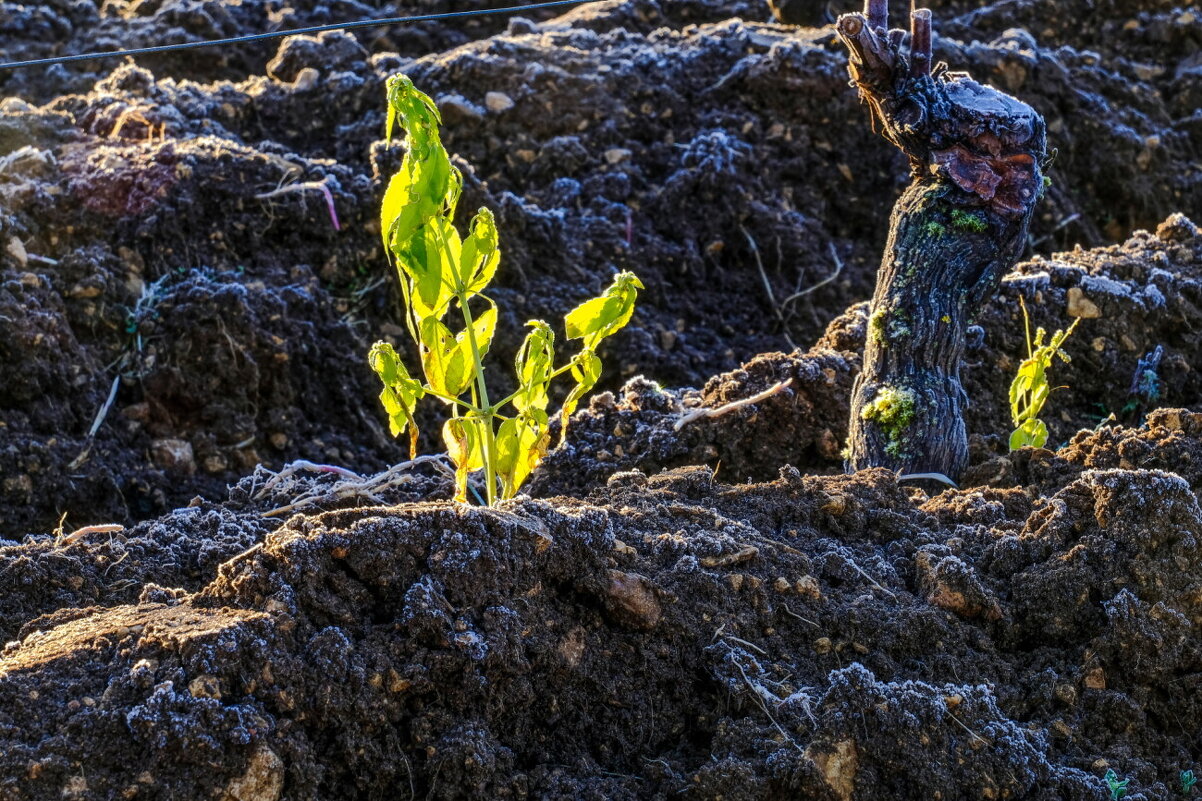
{"x": 969, "y": 221}
{"x": 438, "y": 268}
{"x": 1187, "y": 782}
{"x": 1117, "y": 788}
{"x": 1030, "y": 389}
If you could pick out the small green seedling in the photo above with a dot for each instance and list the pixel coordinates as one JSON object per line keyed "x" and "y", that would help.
{"x": 1188, "y": 781}
{"x": 1117, "y": 788}
{"x": 438, "y": 268}
{"x": 1030, "y": 389}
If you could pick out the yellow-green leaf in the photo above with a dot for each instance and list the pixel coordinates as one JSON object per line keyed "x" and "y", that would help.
{"x": 484, "y": 325}
{"x": 533, "y": 365}
{"x": 596, "y": 319}
{"x": 586, "y": 369}
{"x": 448, "y": 368}
{"x": 480, "y": 255}
{"x": 464, "y": 438}
{"x": 400, "y": 394}
{"x": 429, "y": 260}
{"x": 520, "y": 445}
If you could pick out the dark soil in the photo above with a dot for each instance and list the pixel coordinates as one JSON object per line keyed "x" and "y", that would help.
{"x": 675, "y": 613}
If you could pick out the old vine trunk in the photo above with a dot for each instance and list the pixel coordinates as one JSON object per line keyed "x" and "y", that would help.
{"x": 976, "y": 158}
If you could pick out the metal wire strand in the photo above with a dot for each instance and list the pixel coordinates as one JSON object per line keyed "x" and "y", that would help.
{"x": 257, "y": 37}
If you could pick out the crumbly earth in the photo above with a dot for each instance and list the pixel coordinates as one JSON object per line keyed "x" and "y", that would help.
{"x": 676, "y": 611}
{"x": 719, "y": 155}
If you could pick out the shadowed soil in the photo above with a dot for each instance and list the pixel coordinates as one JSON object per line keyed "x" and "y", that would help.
{"x": 693, "y": 602}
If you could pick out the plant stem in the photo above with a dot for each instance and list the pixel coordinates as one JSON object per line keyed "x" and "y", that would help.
{"x": 553, "y": 375}
{"x": 487, "y": 411}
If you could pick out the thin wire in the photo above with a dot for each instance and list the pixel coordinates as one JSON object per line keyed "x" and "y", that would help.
{"x": 257, "y": 37}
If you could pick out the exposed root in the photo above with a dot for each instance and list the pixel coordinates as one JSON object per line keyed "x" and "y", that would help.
{"x": 698, "y": 414}
{"x": 352, "y": 485}
{"x": 316, "y": 186}
{"x": 80, "y": 533}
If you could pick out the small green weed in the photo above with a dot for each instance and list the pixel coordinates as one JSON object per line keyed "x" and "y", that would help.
{"x": 935, "y": 230}
{"x": 1030, "y": 389}
{"x": 439, "y": 269}
{"x": 1188, "y": 780}
{"x": 1117, "y": 787}
{"x": 969, "y": 221}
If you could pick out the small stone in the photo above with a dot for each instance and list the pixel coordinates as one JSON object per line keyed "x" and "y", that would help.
{"x": 835, "y": 504}
{"x": 822, "y": 645}
{"x": 519, "y": 26}
{"x": 837, "y": 765}
{"x": 631, "y": 600}
{"x": 14, "y": 105}
{"x": 1066, "y": 694}
{"x": 263, "y": 780}
{"x": 306, "y": 79}
{"x": 85, "y": 291}
{"x": 623, "y": 548}
{"x": 396, "y": 684}
{"x": 808, "y": 586}
{"x": 174, "y": 455}
{"x": 457, "y": 108}
{"x": 1096, "y": 679}
{"x": 20, "y": 484}
{"x": 279, "y": 440}
{"x": 16, "y": 249}
{"x": 1081, "y": 306}
{"x": 215, "y": 463}
{"x": 205, "y": 686}
{"x": 497, "y": 102}
{"x": 616, "y": 155}
{"x": 782, "y": 584}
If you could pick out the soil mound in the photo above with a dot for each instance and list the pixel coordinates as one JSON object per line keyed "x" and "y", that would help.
{"x": 692, "y": 601}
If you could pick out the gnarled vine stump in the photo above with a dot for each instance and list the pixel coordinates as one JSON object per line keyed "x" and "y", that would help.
{"x": 976, "y": 158}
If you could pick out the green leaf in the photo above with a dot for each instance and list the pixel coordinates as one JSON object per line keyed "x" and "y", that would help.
{"x": 395, "y": 198}
{"x": 448, "y": 368}
{"x": 480, "y": 255}
{"x": 1032, "y": 432}
{"x": 400, "y": 394}
{"x": 429, "y": 262}
{"x": 533, "y": 366}
{"x": 484, "y": 325}
{"x": 427, "y": 184}
{"x": 521, "y": 443}
{"x": 414, "y": 107}
{"x": 596, "y": 319}
{"x": 586, "y": 369}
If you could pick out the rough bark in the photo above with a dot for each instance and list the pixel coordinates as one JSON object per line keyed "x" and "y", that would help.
{"x": 976, "y": 158}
